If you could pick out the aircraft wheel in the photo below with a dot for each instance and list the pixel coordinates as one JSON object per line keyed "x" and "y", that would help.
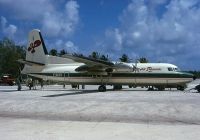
{"x": 29, "y": 87}
{"x": 132, "y": 86}
{"x": 102, "y": 88}
{"x": 150, "y": 88}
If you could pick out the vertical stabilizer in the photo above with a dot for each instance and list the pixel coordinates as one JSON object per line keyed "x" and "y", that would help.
{"x": 36, "y": 49}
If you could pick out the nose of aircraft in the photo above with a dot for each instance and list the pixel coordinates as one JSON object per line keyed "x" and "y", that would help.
{"x": 189, "y": 75}
{"x": 192, "y": 76}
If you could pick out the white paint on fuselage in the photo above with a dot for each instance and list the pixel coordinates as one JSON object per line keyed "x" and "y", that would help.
{"x": 56, "y": 65}
{"x": 62, "y": 68}
{"x": 156, "y": 67}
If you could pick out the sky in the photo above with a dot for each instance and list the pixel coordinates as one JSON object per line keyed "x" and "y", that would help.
{"x": 165, "y": 31}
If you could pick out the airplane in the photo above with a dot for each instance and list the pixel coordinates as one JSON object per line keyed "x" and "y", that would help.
{"x": 81, "y": 70}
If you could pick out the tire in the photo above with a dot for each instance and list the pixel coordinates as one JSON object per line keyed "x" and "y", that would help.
{"x": 102, "y": 88}
{"x": 150, "y": 89}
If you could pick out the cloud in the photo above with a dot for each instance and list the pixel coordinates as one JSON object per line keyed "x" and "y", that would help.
{"x": 64, "y": 23}
{"x": 27, "y": 9}
{"x": 8, "y": 29}
{"x": 70, "y": 47}
{"x": 172, "y": 36}
{"x": 54, "y": 20}
{"x": 60, "y": 44}
{"x": 115, "y": 37}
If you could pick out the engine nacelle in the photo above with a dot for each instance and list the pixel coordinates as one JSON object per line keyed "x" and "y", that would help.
{"x": 123, "y": 67}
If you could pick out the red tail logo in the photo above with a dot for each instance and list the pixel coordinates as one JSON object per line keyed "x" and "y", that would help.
{"x": 32, "y": 46}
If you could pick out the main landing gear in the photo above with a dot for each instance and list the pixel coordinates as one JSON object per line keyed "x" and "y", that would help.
{"x": 102, "y": 88}
{"x": 181, "y": 88}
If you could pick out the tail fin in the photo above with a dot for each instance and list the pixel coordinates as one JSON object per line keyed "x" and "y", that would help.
{"x": 36, "y": 49}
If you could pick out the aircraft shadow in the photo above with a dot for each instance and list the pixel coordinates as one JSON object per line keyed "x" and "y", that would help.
{"x": 74, "y": 93}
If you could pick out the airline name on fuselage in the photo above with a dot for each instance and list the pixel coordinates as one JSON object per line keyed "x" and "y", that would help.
{"x": 149, "y": 69}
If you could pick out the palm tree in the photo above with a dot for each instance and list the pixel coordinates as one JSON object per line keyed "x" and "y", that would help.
{"x": 143, "y": 60}
{"x": 63, "y": 52}
{"x": 124, "y": 58}
{"x": 103, "y": 57}
{"x": 94, "y": 55}
{"x": 53, "y": 52}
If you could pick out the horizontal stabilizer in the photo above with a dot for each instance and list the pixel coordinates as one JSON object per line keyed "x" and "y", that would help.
{"x": 30, "y": 63}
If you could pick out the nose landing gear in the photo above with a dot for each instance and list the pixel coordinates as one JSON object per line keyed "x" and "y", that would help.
{"x": 181, "y": 88}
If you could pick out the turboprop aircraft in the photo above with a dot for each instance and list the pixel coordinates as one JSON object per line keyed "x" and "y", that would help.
{"x": 80, "y": 70}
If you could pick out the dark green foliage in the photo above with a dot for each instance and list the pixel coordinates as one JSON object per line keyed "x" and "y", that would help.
{"x": 53, "y": 52}
{"x": 96, "y": 55}
{"x": 62, "y": 52}
{"x": 78, "y": 54}
{"x": 9, "y": 54}
{"x": 103, "y": 57}
{"x": 143, "y": 60}
{"x": 124, "y": 58}
{"x": 196, "y": 73}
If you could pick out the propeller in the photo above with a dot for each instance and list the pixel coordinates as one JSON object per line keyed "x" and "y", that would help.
{"x": 135, "y": 68}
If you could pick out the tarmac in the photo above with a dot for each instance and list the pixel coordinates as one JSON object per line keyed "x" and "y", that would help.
{"x": 56, "y": 113}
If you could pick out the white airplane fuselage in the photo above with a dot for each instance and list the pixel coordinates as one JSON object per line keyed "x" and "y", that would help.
{"x": 145, "y": 74}
{"x": 69, "y": 70}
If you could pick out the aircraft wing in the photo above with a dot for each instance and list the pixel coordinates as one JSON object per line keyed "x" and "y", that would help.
{"x": 90, "y": 63}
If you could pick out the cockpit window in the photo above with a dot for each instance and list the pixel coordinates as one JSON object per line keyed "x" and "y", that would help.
{"x": 173, "y": 69}
{"x": 170, "y": 69}
{"x": 177, "y": 69}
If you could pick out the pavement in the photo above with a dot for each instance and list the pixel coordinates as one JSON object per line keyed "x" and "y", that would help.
{"x": 57, "y": 113}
